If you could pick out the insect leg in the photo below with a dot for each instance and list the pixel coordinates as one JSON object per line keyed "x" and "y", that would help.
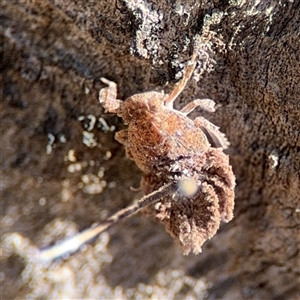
{"x": 108, "y": 97}
{"x": 122, "y": 137}
{"x": 205, "y": 104}
{"x": 214, "y": 135}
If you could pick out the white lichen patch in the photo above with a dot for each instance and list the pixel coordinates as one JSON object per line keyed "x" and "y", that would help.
{"x": 71, "y": 156}
{"x": 101, "y": 172}
{"x": 88, "y": 139}
{"x": 92, "y": 121}
{"x": 50, "y": 144}
{"x": 77, "y": 167}
{"x": 91, "y": 183}
{"x": 273, "y": 160}
{"x": 170, "y": 284}
{"x": 62, "y": 138}
{"x": 61, "y": 279}
{"x": 86, "y": 90}
{"x": 51, "y": 141}
{"x": 108, "y": 155}
{"x": 102, "y": 124}
{"x": 183, "y": 9}
{"x": 80, "y": 276}
{"x": 42, "y": 201}
{"x": 112, "y": 185}
{"x": 66, "y": 193}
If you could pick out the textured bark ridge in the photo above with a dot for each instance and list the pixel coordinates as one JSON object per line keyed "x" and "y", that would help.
{"x": 62, "y": 170}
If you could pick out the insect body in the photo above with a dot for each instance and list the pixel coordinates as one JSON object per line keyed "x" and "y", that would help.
{"x": 171, "y": 150}
{"x": 170, "y": 147}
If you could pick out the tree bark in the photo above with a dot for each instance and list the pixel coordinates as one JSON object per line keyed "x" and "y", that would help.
{"x": 54, "y": 182}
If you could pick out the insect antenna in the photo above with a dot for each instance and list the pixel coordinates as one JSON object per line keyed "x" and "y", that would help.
{"x": 181, "y": 84}
{"x": 71, "y": 245}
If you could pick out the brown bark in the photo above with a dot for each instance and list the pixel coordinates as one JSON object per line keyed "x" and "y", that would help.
{"x": 53, "y": 56}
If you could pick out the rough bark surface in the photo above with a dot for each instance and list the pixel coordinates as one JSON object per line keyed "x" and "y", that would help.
{"x": 53, "y": 183}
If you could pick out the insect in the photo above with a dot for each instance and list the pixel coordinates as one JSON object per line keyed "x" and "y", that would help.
{"x": 187, "y": 180}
